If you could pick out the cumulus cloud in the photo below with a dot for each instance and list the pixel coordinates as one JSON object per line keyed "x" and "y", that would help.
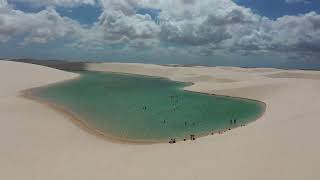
{"x": 297, "y": 33}
{"x": 205, "y": 22}
{"x": 223, "y": 25}
{"x": 117, "y": 25}
{"x": 289, "y": 34}
{"x": 120, "y": 22}
{"x": 3, "y": 3}
{"x": 42, "y": 27}
{"x": 205, "y": 26}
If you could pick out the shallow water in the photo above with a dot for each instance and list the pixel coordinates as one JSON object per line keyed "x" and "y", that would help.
{"x": 141, "y": 108}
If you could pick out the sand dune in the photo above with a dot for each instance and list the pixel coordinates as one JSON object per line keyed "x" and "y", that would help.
{"x": 38, "y": 143}
{"x": 298, "y": 75}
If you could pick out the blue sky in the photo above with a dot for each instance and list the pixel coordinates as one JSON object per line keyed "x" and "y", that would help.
{"x": 272, "y": 33}
{"x": 90, "y": 16}
{"x": 278, "y": 8}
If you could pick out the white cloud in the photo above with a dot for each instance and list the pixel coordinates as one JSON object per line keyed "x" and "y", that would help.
{"x": 210, "y": 26}
{"x": 297, "y": 33}
{"x": 117, "y": 25}
{"x": 41, "y": 27}
{"x": 206, "y": 26}
{"x": 205, "y": 22}
{"x": 288, "y": 34}
{"x": 3, "y": 3}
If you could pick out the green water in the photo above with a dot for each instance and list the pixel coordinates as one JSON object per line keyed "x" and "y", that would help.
{"x": 147, "y": 108}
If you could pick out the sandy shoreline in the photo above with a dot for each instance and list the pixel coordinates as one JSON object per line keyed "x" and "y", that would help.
{"x": 81, "y": 123}
{"x": 39, "y": 143}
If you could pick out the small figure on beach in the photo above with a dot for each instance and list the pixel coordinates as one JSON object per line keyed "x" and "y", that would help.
{"x": 192, "y": 137}
{"x": 172, "y": 141}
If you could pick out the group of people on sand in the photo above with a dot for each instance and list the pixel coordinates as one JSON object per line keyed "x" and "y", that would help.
{"x": 192, "y": 138}
{"x": 172, "y": 141}
{"x": 234, "y": 121}
{"x": 221, "y": 132}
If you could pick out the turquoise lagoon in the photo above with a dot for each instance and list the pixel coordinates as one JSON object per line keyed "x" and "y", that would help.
{"x": 147, "y": 109}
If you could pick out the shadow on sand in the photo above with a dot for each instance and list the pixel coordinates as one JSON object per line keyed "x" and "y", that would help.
{"x": 57, "y": 64}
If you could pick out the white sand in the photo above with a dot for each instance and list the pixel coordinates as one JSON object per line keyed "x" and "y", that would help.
{"x": 38, "y": 143}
